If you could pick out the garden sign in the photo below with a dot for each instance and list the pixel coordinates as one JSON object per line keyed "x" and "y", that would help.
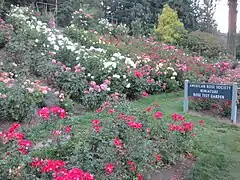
{"x": 212, "y": 91}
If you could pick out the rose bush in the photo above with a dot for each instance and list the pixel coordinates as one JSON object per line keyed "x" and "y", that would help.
{"x": 90, "y": 50}
{"x": 5, "y": 32}
{"x": 118, "y": 145}
{"x": 126, "y": 146}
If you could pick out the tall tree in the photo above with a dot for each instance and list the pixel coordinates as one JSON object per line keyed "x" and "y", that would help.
{"x": 232, "y": 26}
{"x": 206, "y": 21}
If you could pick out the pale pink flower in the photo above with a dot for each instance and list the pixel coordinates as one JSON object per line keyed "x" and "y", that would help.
{"x": 52, "y": 53}
{"x": 103, "y": 87}
{"x": 91, "y": 89}
{"x": 97, "y": 88}
{"x": 85, "y": 92}
{"x": 77, "y": 70}
{"x": 107, "y": 82}
{"x": 54, "y": 61}
{"x": 93, "y": 83}
{"x": 4, "y": 96}
{"x": 68, "y": 69}
{"x": 30, "y": 90}
{"x": 6, "y": 80}
{"x": 77, "y": 66}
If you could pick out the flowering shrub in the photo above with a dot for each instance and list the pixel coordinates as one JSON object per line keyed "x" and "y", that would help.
{"x": 91, "y": 50}
{"x": 126, "y": 146}
{"x": 218, "y": 107}
{"x": 17, "y": 161}
{"x": 22, "y": 107}
{"x": 14, "y": 152}
{"x": 5, "y": 32}
{"x": 31, "y": 95}
{"x": 224, "y": 76}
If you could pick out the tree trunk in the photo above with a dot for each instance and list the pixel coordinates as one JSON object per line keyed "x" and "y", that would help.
{"x": 232, "y": 27}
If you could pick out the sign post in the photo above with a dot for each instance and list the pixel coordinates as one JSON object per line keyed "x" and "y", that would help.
{"x": 234, "y": 103}
{"x": 185, "y": 106}
{"x": 212, "y": 91}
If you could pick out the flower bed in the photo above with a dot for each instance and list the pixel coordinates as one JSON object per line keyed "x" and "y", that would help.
{"x": 88, "y": 64}
{"x": 118, "y": 145}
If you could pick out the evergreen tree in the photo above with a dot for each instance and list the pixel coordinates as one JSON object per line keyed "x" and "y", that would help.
{"x": 169, "y": 26}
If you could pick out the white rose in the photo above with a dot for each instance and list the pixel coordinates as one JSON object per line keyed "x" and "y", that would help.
{"x": 128, "y": 85}
{"x": 174, "y": 74}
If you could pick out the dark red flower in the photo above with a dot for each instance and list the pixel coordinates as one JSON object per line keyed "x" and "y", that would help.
{"x": 177, "y": 117}
{"x": 25, "y": 143}
{"x": 36, "y": 162}
{"x": 132, "y": 165}
{"x": 188, "y": 126}
{"x": 57, "y": 132}
{"x": 111, "y": 111}
{"x": 138, "y": 74}
{"x": 144, "y": 94}
{"x": 95, "y": 121}
{"x": 149, "y": 109}
{"x": 129, "y": 118}
{"x": 99, "y": 110}
{"x": 52, "y": 165}
{"x": 14, "y": 127}
{"x": 88, "y": 176}
{"x": 158, "y": 157}
{"x": 55, "y": 109}
{"x": 44, "y": 113}
{"x": 158, "y": 115}
{"x": 201, "y": 122}
{"x": 68, "y": 129}
{"x": 23, "y": 151}
{"x": 62, "y": 114}
{"x": 19, "y": 136}
{"x": 118, "y": 143}
{"x": 109, "y": 168}
{"x": 97, "y": 128}
{"x": 139, "y": 177}
{"x": 135, "y": 125}
{"x": 121, "y": 116}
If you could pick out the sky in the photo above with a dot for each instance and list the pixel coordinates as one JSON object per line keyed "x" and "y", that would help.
{"x": 221, "y": 16}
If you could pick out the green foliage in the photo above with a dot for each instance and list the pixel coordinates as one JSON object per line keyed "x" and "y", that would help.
{"x": 21, "y": 108}
{"x": 148, "y": 146}
{"x": 203, "y": 44}
{"x": 206, "y": 22}
{"x": 169, "y": 27}
{"x": 6, "y": 31}
{"x": 218, "y": 107}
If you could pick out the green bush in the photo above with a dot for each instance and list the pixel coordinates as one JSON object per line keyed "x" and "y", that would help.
{"x": 203, "y": 44}
{"x": 5, "y": 32}
{"x": 169, "y": 28}
{"x": 132, "y": 144}
{"x": 18, "y": 103}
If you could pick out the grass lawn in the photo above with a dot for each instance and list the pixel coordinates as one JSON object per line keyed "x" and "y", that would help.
{"x": 217, "y": 146}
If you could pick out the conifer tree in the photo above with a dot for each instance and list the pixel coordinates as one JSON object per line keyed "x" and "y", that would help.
{"x": 169, "y": 26}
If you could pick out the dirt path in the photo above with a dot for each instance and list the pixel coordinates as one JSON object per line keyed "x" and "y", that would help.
{"x": 176, "y": 172}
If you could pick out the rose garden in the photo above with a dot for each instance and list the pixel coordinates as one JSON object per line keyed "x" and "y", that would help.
{"x": 92, "y": 102}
